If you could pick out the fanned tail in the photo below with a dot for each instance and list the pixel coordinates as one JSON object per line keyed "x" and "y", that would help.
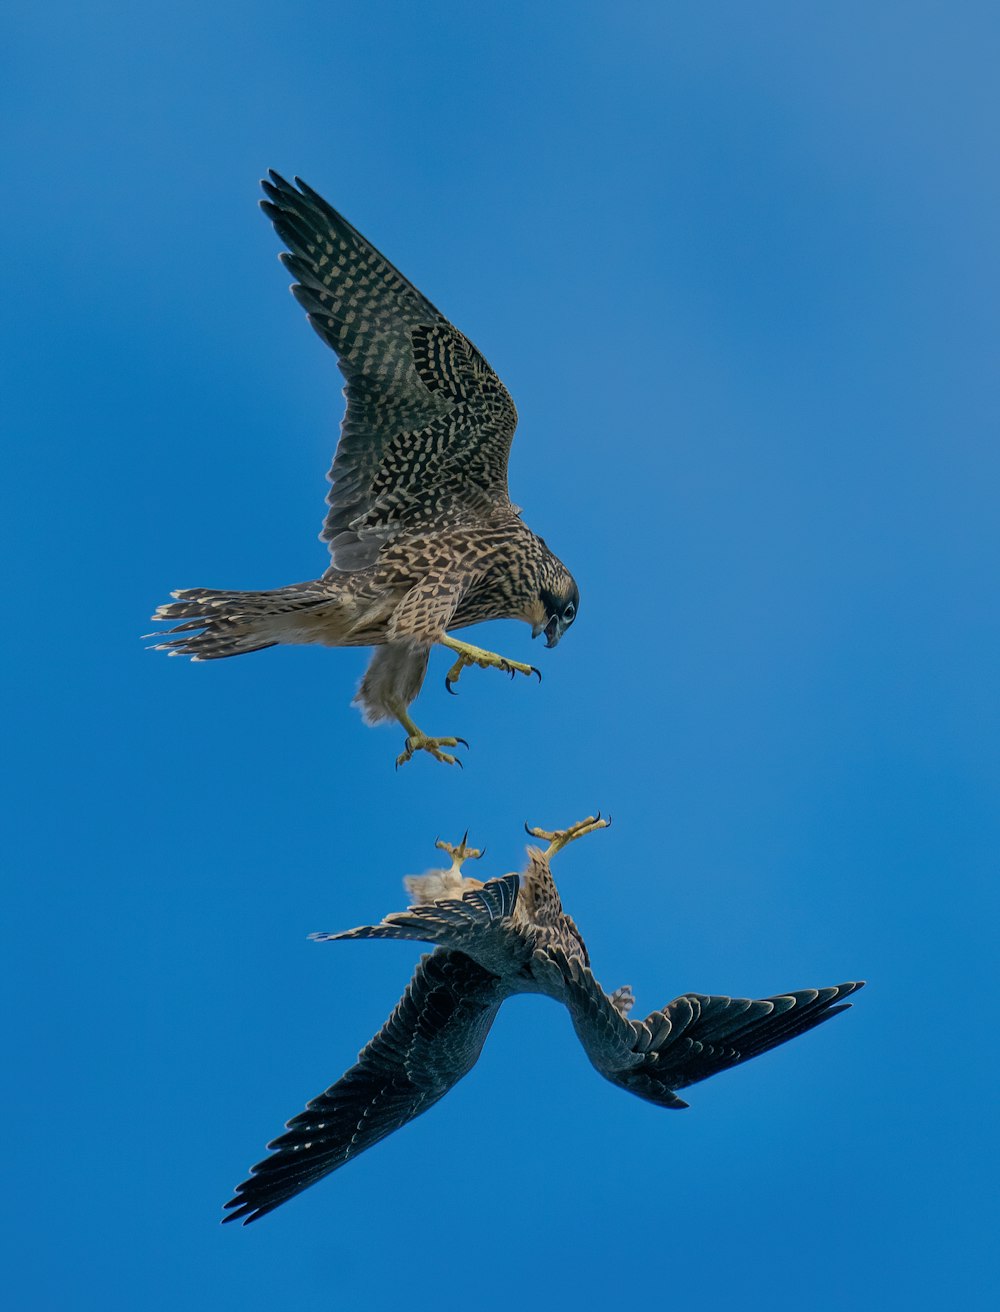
{"x": 217, "y": 624}
{"x": 449, "y": 922}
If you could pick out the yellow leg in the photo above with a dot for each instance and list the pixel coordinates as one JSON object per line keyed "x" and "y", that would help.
{"x": 418, "y": 741}
{"x": 469, "y": 655}
{"x": 450, "y": 882}
{"x": 557, "y": 839}
{"x": 460, "y": 852}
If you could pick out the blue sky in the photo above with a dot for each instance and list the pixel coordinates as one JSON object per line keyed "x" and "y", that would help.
{"x": 738, "y": 267}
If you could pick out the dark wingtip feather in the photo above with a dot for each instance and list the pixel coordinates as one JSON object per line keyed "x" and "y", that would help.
{"x": 244, "y": 1211}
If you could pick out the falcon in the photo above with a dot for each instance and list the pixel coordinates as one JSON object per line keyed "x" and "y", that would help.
{"x": 494, "y": 940}
{"x": 423, "y": 536}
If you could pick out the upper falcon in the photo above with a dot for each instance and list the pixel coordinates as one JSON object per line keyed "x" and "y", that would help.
{"x": 422, "y": 533}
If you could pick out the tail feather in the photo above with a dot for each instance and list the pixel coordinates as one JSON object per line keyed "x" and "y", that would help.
{"x": 216, "y": 624}
{"x": 449, "y": 922}
{"x": 480, "y": 924}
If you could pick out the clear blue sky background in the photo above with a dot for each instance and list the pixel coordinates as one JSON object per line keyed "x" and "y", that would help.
{"x": 738, "y": 266}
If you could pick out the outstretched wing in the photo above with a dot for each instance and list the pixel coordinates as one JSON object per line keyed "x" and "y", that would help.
{"x": 430, "y": 1041}
{"x": 428, "y": 428}
{"x": 693, "y": 1037}
{"x": 699, "y": 1035}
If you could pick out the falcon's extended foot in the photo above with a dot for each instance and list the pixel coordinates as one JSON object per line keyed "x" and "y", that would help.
{"x": 449, "y": 883}
{"x": 418, "y": 741}
{"x": 557, "y": 839}
{"x": 460, "y": 852}
{"x": 469, "y": 655}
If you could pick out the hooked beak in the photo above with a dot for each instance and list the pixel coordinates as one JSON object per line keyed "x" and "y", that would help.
{"x": 553, "y": 628}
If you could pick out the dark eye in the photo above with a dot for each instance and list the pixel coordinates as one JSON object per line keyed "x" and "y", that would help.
{"x": 569, "y": 612}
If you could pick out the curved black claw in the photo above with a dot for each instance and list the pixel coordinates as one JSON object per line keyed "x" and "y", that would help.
{"x": 538, "y": 672}
{"x": 448, "y": 685}
{"x": 464, "y": 744}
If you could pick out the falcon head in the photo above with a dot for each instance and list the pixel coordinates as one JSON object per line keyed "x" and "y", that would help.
{"x": 556, "y": 606}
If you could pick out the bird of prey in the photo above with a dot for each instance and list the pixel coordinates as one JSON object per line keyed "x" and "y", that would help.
{"x": 423, "y": 536}
{"x": 496, "y": 939}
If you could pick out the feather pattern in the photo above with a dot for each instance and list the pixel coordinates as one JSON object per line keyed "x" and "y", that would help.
{"x": 422, "y": 534}
{"x": 431, "y": 1040}
{"x": 428, "y": 428}
{"x": 494, "y": 940}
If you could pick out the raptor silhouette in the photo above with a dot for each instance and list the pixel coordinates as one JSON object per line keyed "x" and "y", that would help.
{"x": 423, "y": 536}
{"x": 495, "y": 939}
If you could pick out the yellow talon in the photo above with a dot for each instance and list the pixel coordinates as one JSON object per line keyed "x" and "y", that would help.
{"x": 460, "y": 852}
{"x": 449, "y": 882}
{"x": 418, "y": 741}
{"x": 469, "y": 655}
{"x": 557, "y": 839}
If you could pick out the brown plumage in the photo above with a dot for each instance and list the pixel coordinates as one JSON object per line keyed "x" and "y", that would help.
{"x": 494, "y": 940}
{"x": 422, "y": 533}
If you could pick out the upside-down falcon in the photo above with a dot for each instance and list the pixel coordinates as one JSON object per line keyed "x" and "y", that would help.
{"x": 494, "y": 940}
{"x": 422, "y": 533}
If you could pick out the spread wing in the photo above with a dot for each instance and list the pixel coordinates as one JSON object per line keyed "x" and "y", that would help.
{"x": 430, "y": 1041}
{"x": 428, "y": 428}
{"x": 693, "y": 1037}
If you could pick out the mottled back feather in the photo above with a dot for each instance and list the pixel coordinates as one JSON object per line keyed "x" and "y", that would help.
{"x": 428, "y": 428}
